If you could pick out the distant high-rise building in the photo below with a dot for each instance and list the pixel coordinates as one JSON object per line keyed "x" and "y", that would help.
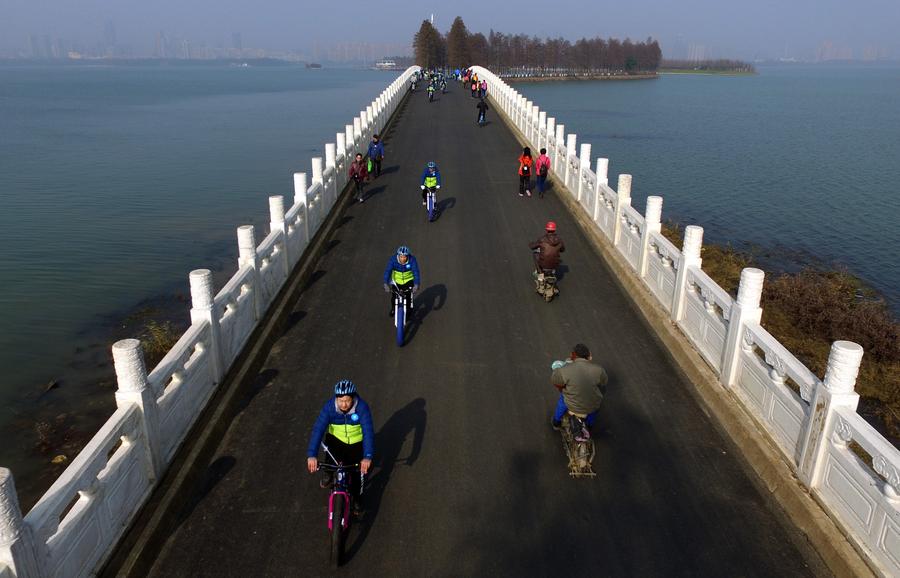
{"x": 236, "y": 41}
{"x": 35, "y": 46}
{"x": 162, "y": 50}
{"x": 109, "y": 35}
{"x": 697, "y": 52}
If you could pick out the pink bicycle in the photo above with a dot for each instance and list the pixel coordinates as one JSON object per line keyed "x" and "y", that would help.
{"x": 339, "y": 504}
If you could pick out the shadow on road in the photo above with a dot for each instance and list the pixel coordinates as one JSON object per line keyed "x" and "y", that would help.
{"x": 369, "y": 193}
{"x": 443, "y": 205}
{"x": 390, "y": 169}
{"x": 429, "y": 300}
{"x": 389, "y": 443}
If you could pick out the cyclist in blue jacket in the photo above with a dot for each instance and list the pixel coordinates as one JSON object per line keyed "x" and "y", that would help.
{"x": 431, "y": 179}
{"x": 403, "y": 270}
{"x": 345, "y": 423}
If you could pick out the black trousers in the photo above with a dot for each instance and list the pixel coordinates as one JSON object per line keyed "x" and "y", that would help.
{"x": 346, "y": 454}
{"x": 376, "y": 165}
{"x": 405, "y": 288}
{"x": 524, "y": 183}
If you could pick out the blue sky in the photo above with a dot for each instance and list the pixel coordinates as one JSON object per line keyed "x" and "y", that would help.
{"x": 726, "y": 28}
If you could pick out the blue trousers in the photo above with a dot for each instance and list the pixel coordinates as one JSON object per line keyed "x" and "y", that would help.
{"x": 541, "y": 183}
{"x": 561, "y": 410}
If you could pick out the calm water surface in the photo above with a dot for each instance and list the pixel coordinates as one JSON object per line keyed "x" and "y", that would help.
{"x": 800, "y": 161}
{"x": 115, "y": 182}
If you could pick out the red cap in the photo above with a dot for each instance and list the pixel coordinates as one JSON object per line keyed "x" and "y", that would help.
{"x": 550, "y": 226}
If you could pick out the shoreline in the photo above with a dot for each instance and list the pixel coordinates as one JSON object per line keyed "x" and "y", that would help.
{"x": 567, "y": 78}
{"x": 52, "y": 422}
{"x": 707, "y": 72}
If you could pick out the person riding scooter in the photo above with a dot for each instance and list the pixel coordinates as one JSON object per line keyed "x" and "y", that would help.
{"x": 546, "y": 252}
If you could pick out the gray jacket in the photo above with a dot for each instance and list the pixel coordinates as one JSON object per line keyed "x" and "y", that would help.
{"x": 584, "y": 384}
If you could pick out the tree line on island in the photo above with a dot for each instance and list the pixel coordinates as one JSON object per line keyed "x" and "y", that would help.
{"x": 523, "y": 55}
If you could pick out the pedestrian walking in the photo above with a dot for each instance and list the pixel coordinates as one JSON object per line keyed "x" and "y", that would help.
{"x": 542, "y": 170}
{"x": 526, "y": 164}
{"x": 483, "y": 89}
{"x": 359, "y": 174}
{"x": 376, "y": 154}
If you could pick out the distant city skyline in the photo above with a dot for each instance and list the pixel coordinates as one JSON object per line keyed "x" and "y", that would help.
{"x": 808, "y": 30}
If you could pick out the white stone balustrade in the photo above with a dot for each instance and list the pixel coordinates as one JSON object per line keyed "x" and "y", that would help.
{"x": 812, "y": 421}
{"x": 74, "y": 526}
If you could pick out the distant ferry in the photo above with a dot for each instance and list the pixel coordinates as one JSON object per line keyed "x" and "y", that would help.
{"x": 313, "y": 65}
{"x": 386, "y": 65}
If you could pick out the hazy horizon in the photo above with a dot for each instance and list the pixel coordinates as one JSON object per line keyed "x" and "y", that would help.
{"x": 823, "y": 29}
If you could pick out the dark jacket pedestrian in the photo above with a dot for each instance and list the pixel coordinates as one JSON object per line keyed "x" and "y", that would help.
{"x": 482, "y": 110}
{"x": 550, "y": 245}
{"x": 358, "y": 174}
{"x": 376, "y": 154}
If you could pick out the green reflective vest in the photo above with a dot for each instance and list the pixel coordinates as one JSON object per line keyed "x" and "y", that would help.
{"x": 349, "y": 434}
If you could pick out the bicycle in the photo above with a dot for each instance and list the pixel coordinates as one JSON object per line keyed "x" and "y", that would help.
{"x": 402, "y": 304}
{"x": 339, "y": 504}
{"x": 544, "y": 281}
{"x": 579, "y": 446}
{"x": 430, "y": 202}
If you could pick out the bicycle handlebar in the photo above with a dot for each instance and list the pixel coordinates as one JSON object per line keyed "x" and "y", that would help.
{"x": 335, "y": 468}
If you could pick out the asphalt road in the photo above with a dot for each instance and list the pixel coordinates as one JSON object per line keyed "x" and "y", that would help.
{"x": 470, "y": 479}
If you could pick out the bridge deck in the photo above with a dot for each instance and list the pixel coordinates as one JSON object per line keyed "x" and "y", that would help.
{"x": 470, "y": 478}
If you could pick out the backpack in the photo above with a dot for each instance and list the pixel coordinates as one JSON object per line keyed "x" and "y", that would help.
{"x": 526, "y": 167}
{"x": 543, "y": 170}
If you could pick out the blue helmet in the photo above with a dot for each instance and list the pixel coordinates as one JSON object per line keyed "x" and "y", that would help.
{"x": 344, "y": 387}
{"x": 432, "y": 165}
{"x": 402, "y": 250}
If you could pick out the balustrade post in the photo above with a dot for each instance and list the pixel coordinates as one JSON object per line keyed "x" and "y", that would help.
{"x": 571, "y": 147}
{"x": 550, "y": 142}
{"x": 330, "y": 156}
{"x": 560, "y": 141}
{"x": 743, "y": 311}
{"x": 623, "y": 199}
{"x": 300, "y": 188}
{"x": 351, "y": 143}
{"x": 357, "y": 134}
{"x": 690, "y": 257}
{"x": 203, "y": 308}
{"x": 18, "y": 548}
{"x": 340, "y": 164}
{"x": 134, "y": 387}
{"x": 602, "y": 180}
{"x": 318, "y": 182}
{"x": 836, "y": 391}
{"x": 528, "y": 128}
{"x": 277, "y": 223}
{"x": 584, "y": 162}
{"x": 652, "y": 224}
{"x": 370, "y": 118}
{"x": 247, "y": 257}
{"x": 364, "y": 126}
{"x": 542, "y": 131}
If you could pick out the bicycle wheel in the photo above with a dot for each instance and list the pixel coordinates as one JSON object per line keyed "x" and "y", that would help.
{"x": 431, "y": 206}
{"x": 337, "y": 530}
{"x": 401, "y": 320}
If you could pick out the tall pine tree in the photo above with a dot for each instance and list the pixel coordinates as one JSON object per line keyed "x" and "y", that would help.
{"x": 458, "y": 55}
{"x": 429, "y": 46}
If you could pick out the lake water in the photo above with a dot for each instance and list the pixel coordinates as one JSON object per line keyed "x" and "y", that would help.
{"x": 800, "y": 161}
{"x": 115, "y": 182}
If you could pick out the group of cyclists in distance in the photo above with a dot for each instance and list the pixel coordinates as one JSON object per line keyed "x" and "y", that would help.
{"x": 344, "y": 423}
